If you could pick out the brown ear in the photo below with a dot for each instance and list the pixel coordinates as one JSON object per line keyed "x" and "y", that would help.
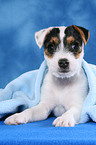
{"x": 83, "y": 32}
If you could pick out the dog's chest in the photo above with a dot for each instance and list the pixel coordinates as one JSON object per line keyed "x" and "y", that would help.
{"x": 61, "y": 90}
{"x": 58, "y": 91}
{"x": 61, "y": 94}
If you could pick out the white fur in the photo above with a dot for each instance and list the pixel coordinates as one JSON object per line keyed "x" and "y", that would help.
{"x": 39, "y": 36}
{"x": 62, "y": 93}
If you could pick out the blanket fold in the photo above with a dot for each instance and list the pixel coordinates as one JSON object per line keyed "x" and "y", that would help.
{"x": 24, "y": 92}
{"x": 89, "y": 106}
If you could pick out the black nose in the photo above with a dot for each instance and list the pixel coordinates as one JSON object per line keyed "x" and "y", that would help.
{"x": 63, "y": 63}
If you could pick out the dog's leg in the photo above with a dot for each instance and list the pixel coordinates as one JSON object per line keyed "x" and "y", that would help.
{"x": 69, "y": 118}
{"x": 37, "y": 113}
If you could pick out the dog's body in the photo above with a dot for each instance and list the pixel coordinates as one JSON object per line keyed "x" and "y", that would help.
{"x": 65, "y": 86}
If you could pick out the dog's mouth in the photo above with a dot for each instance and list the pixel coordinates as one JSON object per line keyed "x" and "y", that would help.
{"x": 63, "y": 71}
{"x": 63, "y": 74}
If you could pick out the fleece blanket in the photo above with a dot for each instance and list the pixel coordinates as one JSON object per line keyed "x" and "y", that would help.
{"x": 24, "y": 92}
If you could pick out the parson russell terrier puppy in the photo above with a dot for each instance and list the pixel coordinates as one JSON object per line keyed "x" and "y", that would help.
{"x": 65, "y": 86}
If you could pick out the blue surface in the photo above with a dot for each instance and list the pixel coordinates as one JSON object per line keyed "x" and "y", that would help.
{"x": 43, "y": 133}
{"x": 19, "y": 20}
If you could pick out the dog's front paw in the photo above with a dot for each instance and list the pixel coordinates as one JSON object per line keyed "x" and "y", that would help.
{"x": 18, "y": 118}
{"x": 66, "y": 120}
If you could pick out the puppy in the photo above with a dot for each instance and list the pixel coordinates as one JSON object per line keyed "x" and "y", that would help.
{"x": 65, "y": 86}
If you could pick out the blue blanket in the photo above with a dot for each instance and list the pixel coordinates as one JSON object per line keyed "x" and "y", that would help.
{"x": 24, "y": 92}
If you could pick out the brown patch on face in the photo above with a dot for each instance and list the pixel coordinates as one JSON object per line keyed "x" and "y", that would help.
{"x": 70, "y": 39}
{"x": 73, "y": 45}
{"x": 51, "y": 42}
{"x": 77, "y": 54}
{"x": 55, "y": 40}
{"x": 47, "y": 53}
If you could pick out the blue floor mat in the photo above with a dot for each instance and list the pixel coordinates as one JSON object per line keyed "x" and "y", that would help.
{"x": 43, "y": 133}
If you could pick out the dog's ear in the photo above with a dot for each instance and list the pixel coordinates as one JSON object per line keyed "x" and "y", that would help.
{"x": 40, "y": 35}
{"x": 83, "y": 32}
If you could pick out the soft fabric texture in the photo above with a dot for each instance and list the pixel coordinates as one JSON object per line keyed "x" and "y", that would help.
{"x": 24, "y": 92}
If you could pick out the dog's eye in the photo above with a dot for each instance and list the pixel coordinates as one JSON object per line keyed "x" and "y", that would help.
{"x": 75, "y": 46}
{"x": 51, "y": 48}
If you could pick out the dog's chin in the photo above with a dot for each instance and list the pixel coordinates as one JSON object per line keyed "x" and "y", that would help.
{"x": 63, "y": 75}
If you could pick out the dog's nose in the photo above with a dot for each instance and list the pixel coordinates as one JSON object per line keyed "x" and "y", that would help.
{"x": 63, "y": 63}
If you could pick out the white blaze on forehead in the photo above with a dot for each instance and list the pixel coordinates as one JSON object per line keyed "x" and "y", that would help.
{"x": 62, "y": 29}
{"x": 62, "y": 34}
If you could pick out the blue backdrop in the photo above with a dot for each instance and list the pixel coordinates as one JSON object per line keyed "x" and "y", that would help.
{"x": 20, "y": 19}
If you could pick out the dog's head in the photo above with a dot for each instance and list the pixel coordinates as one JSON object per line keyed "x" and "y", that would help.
{"x": 63, "y": 48}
